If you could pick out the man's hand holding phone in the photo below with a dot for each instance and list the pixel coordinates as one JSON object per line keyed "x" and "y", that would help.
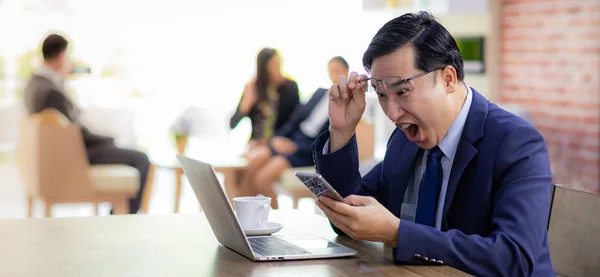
{"x": 360, "y": 217}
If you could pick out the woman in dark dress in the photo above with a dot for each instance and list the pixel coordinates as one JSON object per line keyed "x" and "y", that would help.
{"x": 268, "y": 100}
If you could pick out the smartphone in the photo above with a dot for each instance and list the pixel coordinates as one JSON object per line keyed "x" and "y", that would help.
{"x": 318, "y": 185}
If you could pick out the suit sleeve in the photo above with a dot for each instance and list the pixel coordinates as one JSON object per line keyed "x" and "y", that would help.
{"x": 518, "y": 221}
{"x": 341, "y": 170}
{"x": 292, "y": 123}
{"x": 305, "y": 148}
{"x": 337, "y": 165}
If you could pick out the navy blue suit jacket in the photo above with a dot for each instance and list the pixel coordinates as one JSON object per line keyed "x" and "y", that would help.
{"x": 300, "y": 114}
{"x": 496, "y": 208}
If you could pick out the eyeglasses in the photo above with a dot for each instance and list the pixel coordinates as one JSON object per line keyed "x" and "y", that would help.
{"x": 391, "y": 83}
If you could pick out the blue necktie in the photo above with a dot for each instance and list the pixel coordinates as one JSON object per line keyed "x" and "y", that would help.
{"x": 428, "y": 190}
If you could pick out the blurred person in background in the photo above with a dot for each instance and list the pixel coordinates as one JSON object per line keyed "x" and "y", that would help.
{"x": 46, "y": 90}
{"x": 292, "y": 144}
{"x": 268, "y": 100}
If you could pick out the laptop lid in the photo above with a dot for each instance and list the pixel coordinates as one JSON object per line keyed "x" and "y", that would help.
{"x": 217, "y": 208}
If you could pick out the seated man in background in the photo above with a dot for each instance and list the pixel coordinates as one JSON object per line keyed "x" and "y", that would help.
{"x": 45, "y": 90}
{"x": 291, "y": 145}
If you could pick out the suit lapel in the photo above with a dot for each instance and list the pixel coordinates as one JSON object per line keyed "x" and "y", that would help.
{"x": 401, "y": 177}
{"x": 466, "y": 151}
{"x": 464, "y": 154}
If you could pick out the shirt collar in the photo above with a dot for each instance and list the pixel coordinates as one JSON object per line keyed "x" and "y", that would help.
{"x": 50, "y": 74}
{"x": 449, "y": 143}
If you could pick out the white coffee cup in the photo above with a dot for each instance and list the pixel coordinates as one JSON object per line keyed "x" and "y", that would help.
{"x": 252, "y": 212}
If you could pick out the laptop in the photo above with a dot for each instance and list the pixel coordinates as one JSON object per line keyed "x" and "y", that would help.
{"x": 228, "y": 231}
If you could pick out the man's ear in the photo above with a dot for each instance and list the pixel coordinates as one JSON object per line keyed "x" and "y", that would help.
{"x": 449, "y": 79}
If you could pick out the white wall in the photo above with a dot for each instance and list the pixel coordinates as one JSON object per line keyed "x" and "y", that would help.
{"x": 183, "y": 52}
{"x": 472, "y": 24}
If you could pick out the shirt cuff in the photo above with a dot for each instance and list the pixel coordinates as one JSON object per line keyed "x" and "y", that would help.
{"x": 326, "y": 148}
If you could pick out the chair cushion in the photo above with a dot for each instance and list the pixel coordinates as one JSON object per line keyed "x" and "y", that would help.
{"x": 288, "y": 179}
{"x": 115, "y": 178}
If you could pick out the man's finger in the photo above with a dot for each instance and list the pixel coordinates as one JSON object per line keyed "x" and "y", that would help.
{"x": 338, "y": 207}
{"x": 352, "y": 80}
{"x": 362, "y": 78}
{"x": 337, "y": 219}
{"x": 335, "y": 92}
{"x": 362, "y": 82}
{"x": 343, "y": 86}
{"x": 359, "y": 200}
{"x": 360, "y": 90}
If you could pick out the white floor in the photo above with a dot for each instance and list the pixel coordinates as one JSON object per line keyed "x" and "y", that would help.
{"x": 13, "y": 200}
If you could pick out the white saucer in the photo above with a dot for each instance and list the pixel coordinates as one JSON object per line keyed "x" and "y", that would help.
{"x": 272, "y": 227}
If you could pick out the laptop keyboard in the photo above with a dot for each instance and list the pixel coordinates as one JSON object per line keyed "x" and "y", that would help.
{"x": 274, "y": 246}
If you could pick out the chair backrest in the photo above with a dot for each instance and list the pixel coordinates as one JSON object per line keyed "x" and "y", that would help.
{"x": 552, "y": 192}
{"x": 52, "y": 158}
{"x": 574, "y": 231}
{"x": 365, "y": 136}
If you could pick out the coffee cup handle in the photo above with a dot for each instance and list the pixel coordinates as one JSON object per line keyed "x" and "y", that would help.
{"x": 264, "y": 208}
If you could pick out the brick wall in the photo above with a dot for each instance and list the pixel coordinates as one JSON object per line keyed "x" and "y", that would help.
{"x": 550, "y": 65}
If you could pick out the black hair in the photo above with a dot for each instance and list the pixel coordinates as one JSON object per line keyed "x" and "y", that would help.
{"x": 53, "y": 46}
{"x": 341, "y": 60}
{"x": 434, "y": 46}
{"x": 262, "y": 74}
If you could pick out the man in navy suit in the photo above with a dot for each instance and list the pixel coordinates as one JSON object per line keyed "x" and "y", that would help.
{"x": 292, "y": 144}
{"x": 463, "y": 182}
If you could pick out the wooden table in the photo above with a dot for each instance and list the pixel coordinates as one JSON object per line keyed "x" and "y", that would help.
{"x": 175, "y": 245}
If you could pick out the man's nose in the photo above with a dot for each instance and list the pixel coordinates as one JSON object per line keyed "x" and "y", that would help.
{"x": 394, "y": 111}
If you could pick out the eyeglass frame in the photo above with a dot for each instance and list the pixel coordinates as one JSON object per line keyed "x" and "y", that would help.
{"x": 403, "y": 80}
